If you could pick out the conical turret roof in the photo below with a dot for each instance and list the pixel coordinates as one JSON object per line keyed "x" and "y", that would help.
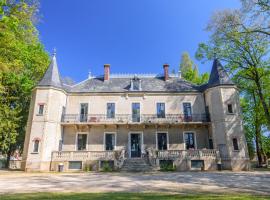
{"x": 51, "y": 77}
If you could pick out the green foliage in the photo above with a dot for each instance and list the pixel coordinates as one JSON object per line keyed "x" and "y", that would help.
{"x": 190, "y": 71}
{"x": 23, "y": 62}
{"x": 167, "y": 166}
{"x": 238, "y": 41}
{"x": 106, "y": 167}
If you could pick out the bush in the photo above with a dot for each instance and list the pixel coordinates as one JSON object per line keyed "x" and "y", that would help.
{"x": 106, "y": 167}
{"x": 167, "y": 166}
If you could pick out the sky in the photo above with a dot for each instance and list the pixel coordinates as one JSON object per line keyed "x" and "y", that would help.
{"x": 134, "y": 36}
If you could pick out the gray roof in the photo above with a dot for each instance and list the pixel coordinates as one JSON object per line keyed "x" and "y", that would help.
{"x": 148, "y": 84}
{"x": 218, "y": 76}
{"x": 51, "y": 76}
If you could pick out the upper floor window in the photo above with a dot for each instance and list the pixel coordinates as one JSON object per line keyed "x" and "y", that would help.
{"x": 189, "y": 140}
{"x": 81, "y": 142}
{"x": 235, "y": 144}
{"x": 36, "y": 146}
{"x": 136, "y": 116}
{"x": 187, "y": 111}
{"x": 110, "y": 110}
{"x": 135, "y": 84}
{"x": 83, "y": 112}
{"x": 110, "y": 141}
{"x": 161, "y": 110}
{"x": 40, "y": 109}
{"x": 230, "y": 108}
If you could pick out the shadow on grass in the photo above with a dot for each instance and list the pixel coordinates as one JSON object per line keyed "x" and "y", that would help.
{"x": 125, "y": 196}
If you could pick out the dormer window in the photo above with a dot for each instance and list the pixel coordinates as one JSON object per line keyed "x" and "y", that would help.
{"x": 135, "y": 84}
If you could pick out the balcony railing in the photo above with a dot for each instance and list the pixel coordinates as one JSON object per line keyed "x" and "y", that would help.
{"x": 129, "y": 119}
{"x": 82, "y": 155}
{"x": 192, "y": 154}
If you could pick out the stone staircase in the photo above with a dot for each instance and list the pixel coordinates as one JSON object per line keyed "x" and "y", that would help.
{"x": 136, "y": 165}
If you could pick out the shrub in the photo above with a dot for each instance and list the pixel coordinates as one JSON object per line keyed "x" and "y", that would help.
{"x": 167, "y": 166}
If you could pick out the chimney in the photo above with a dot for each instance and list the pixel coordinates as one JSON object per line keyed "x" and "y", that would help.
{"x": 106, "y": 72}
{"x": 166, "y": 72}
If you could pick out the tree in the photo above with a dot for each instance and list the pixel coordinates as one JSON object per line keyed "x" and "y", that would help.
{"x": 23, "y": 62}
{"x": 245, "y": 54}
{"x": 190, "y": 71}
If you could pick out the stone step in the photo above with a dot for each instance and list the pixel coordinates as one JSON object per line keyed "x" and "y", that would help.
{"x": 136, "y": 165}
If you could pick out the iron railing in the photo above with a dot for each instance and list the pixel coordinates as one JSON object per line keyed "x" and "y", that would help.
{"x": 129, "y": 118}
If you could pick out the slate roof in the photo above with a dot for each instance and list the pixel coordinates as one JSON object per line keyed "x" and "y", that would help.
{"x": 51, "y": 76}
{"x": 218, "y": 75}
{"x": 149, "y": 84}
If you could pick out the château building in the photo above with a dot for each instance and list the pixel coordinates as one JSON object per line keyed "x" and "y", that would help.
{"x": 135, "y": 123}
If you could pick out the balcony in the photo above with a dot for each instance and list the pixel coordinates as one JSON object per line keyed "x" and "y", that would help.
{"x": 134, "y": 119}
{"x": 82, "y": 155}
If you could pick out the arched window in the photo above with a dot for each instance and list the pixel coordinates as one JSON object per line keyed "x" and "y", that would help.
{"x": 35, "y": 146}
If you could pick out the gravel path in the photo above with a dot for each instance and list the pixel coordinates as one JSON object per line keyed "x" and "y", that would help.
{"x": 184, "y": 182}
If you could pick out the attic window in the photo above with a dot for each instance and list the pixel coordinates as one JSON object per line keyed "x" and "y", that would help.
{"x": 135, "y": 84}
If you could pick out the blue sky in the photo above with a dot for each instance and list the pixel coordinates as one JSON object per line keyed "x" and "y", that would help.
{"x": 134, "y": 36}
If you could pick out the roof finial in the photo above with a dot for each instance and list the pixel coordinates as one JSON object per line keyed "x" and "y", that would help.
{"x": 54, "y": 52}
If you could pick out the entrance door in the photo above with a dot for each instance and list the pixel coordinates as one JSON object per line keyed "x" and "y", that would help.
{"x": 135, "y": 145}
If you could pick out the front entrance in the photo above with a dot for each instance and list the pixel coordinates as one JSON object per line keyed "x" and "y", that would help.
{"x": 135, "y": 145}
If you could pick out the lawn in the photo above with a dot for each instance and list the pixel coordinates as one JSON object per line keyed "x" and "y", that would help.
{"x": 126, "y": 196}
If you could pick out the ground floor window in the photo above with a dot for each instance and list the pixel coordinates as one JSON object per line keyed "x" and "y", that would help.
{"x": 109, "y": 141}
{"x": 162, "y": 141}
{"x": 81, "y": 142}
{"x": 197, "y": 164}
{"x": 75, "y": 165}
{"x": 189, "y": 140}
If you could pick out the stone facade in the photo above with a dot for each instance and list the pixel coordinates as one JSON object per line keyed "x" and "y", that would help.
{"x": 205, "y": 132}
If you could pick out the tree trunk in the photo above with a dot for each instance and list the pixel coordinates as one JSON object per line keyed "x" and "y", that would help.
{"x": 257, "y": 133}
{"x": 262, "y": 99}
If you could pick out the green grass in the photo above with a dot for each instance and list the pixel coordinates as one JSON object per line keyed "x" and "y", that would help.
{"x": 127, "y": 196}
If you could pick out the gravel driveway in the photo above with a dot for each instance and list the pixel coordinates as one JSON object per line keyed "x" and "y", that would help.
{"x": 184, "y": 182}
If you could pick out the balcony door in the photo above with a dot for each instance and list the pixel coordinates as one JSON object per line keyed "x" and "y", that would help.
{"x": 135, "y": 145}
{"x": 136, "y": 112}
{"x": 83, "y": 112}
{"x": 187, "y": 111}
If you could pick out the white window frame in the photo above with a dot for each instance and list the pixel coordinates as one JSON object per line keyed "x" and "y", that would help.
{"x": 164, "y": 106}
{"x": 76, "y": 141}
{"x": 33, "y": 146}
{"x": 39, "y": 104}
{"x": 129, "y": 142}
{"x": 106, "y": 104}
{"x": 195, "y": 139}
{"x": 227, "y": 108}
{"x": 168, "y": 143}
{"x": 190, "y": 107}
{"x": 104, "y": 140}
{"x": 140, "y": 111}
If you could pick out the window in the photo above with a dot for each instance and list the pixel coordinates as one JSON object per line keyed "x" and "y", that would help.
{"x": 235, "y": 144}
{"x": 136, "y": 112}
{"x": 187, "y": 111}
{"x": 36, "y": 146}
{"x": 189, "y": 140}
{"x": 162, "y": 141}
{"x": 83, "y": 112}
{"x": 197, "y": 164}
{"x": 109, "y": 141}
{"x": 161, "y": 110}
{"x": 135, "y": 84}
{"x": 81, "y": 142}
{"x": 230, "y": 108}
{"x": 211, "y": 145}
{"x": 110, "y": 110}
{"x": 75, "y": 165}
{"x": 40, "y": 109}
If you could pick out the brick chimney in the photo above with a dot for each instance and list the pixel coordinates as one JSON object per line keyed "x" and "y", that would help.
{"x": 106, "y": 72}
{"x": 166, "y": 72}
